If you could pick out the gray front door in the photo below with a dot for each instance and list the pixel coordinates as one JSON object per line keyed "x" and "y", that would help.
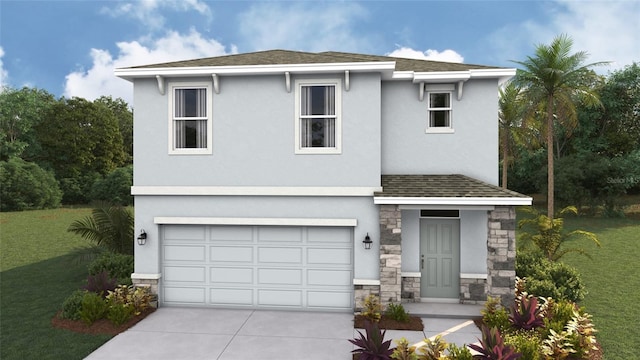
{"x": 440, "y": 258}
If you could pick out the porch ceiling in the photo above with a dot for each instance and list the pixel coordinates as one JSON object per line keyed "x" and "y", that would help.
{"x": 452, "y": 189}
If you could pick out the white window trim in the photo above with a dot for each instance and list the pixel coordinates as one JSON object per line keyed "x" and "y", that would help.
{"x": 440, "y": 129}
{"x": 338, "y": 122}
{"x": 171, "y": 141}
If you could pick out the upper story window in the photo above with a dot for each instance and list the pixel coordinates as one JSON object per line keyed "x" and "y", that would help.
{"x": 439, "y": 112}
{"x": 190, "y": 128}
{"x": 318, "y": 124}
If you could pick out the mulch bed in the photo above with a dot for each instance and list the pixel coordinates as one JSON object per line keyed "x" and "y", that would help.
{"x": 100, "y": 327}
{"x": 387, "y": 323}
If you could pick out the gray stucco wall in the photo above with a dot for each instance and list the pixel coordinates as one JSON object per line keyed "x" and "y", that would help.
{"x": 360, "y": 208}
{"x": 253, "y": 137}
{"x": 473, "y": 241}
{"x": 472, "y": 150}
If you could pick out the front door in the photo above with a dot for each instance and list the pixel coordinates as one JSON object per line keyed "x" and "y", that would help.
{"x": 440, "y": 258}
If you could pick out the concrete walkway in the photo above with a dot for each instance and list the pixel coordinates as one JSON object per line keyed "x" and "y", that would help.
{"x": 224, "y": 334}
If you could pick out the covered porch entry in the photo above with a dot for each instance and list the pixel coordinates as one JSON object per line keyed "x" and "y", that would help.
{"x": 446, "y": 238}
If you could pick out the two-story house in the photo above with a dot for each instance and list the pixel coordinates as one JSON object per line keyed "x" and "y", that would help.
{"x": 284, "y": 179}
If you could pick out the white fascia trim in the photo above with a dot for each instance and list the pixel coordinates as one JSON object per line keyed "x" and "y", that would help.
{"x": 473, "y": 276}
{"x": 161, "y": 220}
{"x": 447, "y": 207}
{"x": 515, "y": 201}
{"x": 138, "y": 276}
{"x": 255, "y": 190}
{"x": 132, "y": 73}
{"x": 366, "y": 282}
{"x": 410, "y": 274}
{"x": 441, "y": 76}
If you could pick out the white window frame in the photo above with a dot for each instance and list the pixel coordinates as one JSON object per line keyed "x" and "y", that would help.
{"x": 299, "y": 84}
{"x": 439, "y": 129}
{"x": 209, "y": 118}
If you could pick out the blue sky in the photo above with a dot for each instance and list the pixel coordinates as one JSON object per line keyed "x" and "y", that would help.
{"x": 70, "y": 48}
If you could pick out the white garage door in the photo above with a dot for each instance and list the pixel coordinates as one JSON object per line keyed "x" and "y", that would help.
{"x": 258, "y": 266}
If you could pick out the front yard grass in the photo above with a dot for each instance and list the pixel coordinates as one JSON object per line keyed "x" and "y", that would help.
{"x": 612, "y": 278}
{"x": 37, "y": 272}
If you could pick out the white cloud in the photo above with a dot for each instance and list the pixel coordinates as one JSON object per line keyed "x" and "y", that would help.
{"x": 307, "y": 26}
{"x": 447, "y": 55}
{"x": 99, "y": 79}
{"x": 607, "y": 30}
{"x": 148, "y": 12}
{"x": 4, "y": 75}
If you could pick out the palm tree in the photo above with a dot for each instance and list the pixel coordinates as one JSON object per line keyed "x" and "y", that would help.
{"x": 509, "y": 115}
{"x": 553, "y": 82}
{"x": 110, "y": 226}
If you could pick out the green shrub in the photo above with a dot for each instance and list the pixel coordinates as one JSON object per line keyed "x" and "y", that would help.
{"x": 459, "y": 353}
{"x": 93, "y": 308}
{"x": 115, "y": 187}
{"x": 549, "y": 279}
{"x": 397, "y": 312}
{"x": 494, "y": 315}
{"x": 118, "y": 266}
{"x": 76, "y": 190}
{"x": 26, "y": 186}
{"x": 527, "y": 343}
{"x": 372, "y": 308}
{"x": 72, "y": 305}
{"x": 120, "y": 313}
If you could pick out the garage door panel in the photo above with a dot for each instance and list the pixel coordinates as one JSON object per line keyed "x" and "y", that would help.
{"x": 231, "y": 275}
{"x": 280, "y": 276}
{"x": 274, "y": 297}
{"x": 184, "y": 253}
{"x": 189, "y": 295}
{"x": 317, "y": 277}
{"x": 230, "y": 254}
{"x": 325, "y": 235}
{"x": 229, "y": 296}
{"x": 231, "y": 233}
{"x": 184, "y": 273}
{"x": 327, "y": 299}
{"x": 184, "y": 232}
{"x": 329, "y": 256}
{"x": 258, "y": 266}
{"x": 279, "y": 234}
{"x": 280, "y": 255}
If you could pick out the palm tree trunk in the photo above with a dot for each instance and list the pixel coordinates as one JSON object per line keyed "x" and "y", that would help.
{"x": 550, "y": 182}
{"x": 505, "y": 160}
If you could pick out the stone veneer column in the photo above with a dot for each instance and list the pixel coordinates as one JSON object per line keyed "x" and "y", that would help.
{"x": 390, "y": 254}
{"x": 501, "y": 253}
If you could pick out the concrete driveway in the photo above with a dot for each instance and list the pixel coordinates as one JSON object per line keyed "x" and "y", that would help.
{"x": 220, "y": 334}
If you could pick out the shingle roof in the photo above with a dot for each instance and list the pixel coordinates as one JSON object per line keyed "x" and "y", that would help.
{"x": 440, "y": 186}
{"x": 287, "y": 57}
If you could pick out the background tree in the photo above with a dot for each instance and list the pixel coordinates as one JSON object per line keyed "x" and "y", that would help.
{"x": 510, "y": 111}
{"x": 554, "y": 81}
{"x": 124, "y": 115}
{"x": 81, "y": 142}
{"x": 20, "y": 111}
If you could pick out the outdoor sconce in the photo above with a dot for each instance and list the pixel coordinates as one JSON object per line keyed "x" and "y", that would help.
{"x": 142, "y": 238}
{"x": 367, "y": 242}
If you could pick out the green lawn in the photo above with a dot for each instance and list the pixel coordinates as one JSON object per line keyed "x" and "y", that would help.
{"x": 612, "y": 278}
{"x": 37, "y": 272}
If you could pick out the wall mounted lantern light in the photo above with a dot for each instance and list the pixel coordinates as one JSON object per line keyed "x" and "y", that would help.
{"x": 142, "y": 238}
{"x": 367, "y": 242}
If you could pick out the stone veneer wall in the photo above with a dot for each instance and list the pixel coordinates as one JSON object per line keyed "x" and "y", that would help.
{"x": 362, "y": 291}
{"x": 501, "y": 253}
{"x": 390, "y": 254}
{"x": 410, "y": 289}
{"x": 473, "y": 291}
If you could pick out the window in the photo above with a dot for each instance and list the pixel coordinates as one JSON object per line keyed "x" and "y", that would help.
{"x": 190, "y": 119}
{"x": 318, "y": 128}
{"x": 439, "y": 110}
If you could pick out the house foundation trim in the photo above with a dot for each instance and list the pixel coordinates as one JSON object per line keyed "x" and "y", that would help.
{"x": 366, "y": 282}
{"x": 160, "y": 220}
